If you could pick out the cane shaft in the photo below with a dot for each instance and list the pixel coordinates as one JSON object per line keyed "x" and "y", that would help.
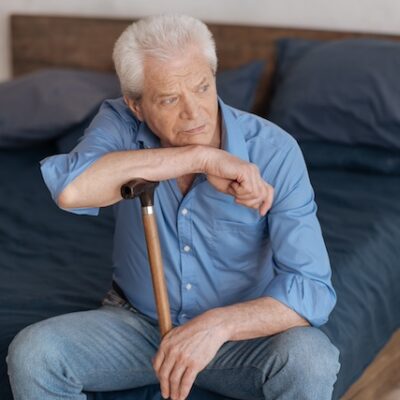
{"x": 157, "y": 272}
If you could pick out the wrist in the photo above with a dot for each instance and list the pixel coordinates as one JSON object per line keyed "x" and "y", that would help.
{"x": 220, "y": 320}
{"x": 203, "y": 157}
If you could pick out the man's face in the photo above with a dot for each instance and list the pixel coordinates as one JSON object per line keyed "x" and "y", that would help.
{"x": 179, "y": 101}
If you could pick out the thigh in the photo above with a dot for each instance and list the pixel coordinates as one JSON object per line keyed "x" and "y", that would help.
{"x": 109, "y": 348}
{"x": 241, "y": 368}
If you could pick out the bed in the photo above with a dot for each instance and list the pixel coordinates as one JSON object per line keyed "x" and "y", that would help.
{"x": 53, "y": 262}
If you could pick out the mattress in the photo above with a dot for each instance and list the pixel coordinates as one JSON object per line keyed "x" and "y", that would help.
{"x": 53, "y": 262}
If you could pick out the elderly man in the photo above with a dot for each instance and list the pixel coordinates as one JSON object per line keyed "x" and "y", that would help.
{"x": 246, "y": 267}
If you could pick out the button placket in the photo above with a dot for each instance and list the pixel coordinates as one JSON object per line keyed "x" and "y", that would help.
{"x": 184, "y": 222}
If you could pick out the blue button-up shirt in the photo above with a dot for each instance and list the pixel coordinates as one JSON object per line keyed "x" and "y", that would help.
{"x": 215, "y": 252}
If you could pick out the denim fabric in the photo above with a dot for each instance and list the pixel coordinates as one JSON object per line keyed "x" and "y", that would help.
{"x": 110, "y": 348}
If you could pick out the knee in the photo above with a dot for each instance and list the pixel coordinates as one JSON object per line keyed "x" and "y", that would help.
{"x": 309, "y": 357}
{"x": 33, "y": 349}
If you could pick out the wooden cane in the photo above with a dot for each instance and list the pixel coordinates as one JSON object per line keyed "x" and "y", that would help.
{"x": 145, "y": 190}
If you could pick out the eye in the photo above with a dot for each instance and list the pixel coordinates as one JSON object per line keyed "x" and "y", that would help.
{"x": 169, "y": 100}
{"x": 204, "y": 88}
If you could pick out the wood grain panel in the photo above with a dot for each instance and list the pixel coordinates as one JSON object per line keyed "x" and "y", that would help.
{"x": 381, "y": 379}
{"x": 80, "y": 42}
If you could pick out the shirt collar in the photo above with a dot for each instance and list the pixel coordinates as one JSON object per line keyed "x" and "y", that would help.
{"x": 232, "y": 137}
{"x": 147, "y": 137}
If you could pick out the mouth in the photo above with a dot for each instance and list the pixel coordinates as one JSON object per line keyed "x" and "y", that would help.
{"x": 198, "y": 129}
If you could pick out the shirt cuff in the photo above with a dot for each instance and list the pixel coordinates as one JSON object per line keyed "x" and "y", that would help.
{"x": 311, "y": 299}
{"x": 58, "y": 171}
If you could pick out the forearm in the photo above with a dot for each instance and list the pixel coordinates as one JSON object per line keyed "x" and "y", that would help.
{"x": 256, "y": 318}
{"x": 99, "y": 185}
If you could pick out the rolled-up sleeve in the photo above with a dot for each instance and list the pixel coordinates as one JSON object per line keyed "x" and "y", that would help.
{"x": 105, "y": 134}
{"x": 302, "y": 269}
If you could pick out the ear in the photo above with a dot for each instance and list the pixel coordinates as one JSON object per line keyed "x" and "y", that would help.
{"x": 135, "y": 107}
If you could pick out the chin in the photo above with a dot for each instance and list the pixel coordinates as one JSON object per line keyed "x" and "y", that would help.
{"x": 203, "y": 139}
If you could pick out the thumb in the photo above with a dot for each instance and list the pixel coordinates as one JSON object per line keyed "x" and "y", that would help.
{"x": 234, "y": 187}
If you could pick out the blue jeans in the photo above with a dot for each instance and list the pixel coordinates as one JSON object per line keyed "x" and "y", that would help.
{"x": 110, "y": 348}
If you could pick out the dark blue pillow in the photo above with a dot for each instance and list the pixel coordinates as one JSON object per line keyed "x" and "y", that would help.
{"x": 342, "y": 91}
{"x": 42, "y": 105}
{"x": 238, "y": 87}
{"x": 66, "y": 142}
{"x": 370, "y": 159}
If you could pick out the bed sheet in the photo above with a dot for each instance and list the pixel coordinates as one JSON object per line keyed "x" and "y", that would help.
{"x": 53, "y": 262}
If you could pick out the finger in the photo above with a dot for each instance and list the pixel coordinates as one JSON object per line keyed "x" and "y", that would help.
{"x": 249, "y": 203}
{"x": 158, "y": 360}
{"x": 164, "y": 376}
{"x": 263, "y": 192}
{"x": 265, "y": 206}
{"x": 251, "y": 187}
{"x": 269, "y": 198}
{"x": 249, "y": 197}
{"x": 240, "y": 189}
{"x": 235, "y": 186}
{"x": 175, "y": 380}
{"x": 186, "y": 383}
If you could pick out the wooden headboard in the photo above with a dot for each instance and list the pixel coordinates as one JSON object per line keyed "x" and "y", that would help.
{"x": 78, "y": 42}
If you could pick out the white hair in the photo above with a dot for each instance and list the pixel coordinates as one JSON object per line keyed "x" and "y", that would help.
{"x": 162, "y": 37}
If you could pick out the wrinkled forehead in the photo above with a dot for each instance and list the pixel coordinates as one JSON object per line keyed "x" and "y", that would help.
{"x": 188, "y": 69}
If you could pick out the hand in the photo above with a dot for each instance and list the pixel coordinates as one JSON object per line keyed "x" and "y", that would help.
{"x": 184, "y": 352}
{"x": 241, "y": 179}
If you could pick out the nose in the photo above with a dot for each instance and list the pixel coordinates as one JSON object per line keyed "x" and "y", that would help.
{"x": 189, "y": 108}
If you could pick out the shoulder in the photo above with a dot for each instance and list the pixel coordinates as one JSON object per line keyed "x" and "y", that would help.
{"x": 268, "y": 145}
{"x": 116, "y": 120}
{"x": 115, "y": 112}
{"x": 278, "y": 157}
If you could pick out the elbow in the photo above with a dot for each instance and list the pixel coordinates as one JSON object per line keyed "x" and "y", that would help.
{"x": 65, "y": 198}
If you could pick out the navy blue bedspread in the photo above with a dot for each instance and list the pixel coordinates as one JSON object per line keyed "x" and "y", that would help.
{"x": 53, "y": 262}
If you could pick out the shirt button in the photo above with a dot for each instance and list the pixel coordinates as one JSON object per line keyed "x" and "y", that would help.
{"x": 188, "y": 286}
{"x": 185, "y": 211}
{"x": 186, "y": 248}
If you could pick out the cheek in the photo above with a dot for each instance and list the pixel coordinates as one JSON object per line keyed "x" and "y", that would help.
{"x": 211, "y": 100}
{"x": 211, "y": 108}
{"x": 166, "y": 122}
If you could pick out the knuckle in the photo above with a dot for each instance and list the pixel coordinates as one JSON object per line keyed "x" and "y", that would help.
{"x": 163, "y": 376}
{"x": 254, "y": 167}
{"x": 193, "y": 367}
{"x": 173, "y": 352}
{"x": 192, "y": 364}
{"x": 249, "y": 168}
{"x": 174, "y": 380}
{"x": 182, "y": 359}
